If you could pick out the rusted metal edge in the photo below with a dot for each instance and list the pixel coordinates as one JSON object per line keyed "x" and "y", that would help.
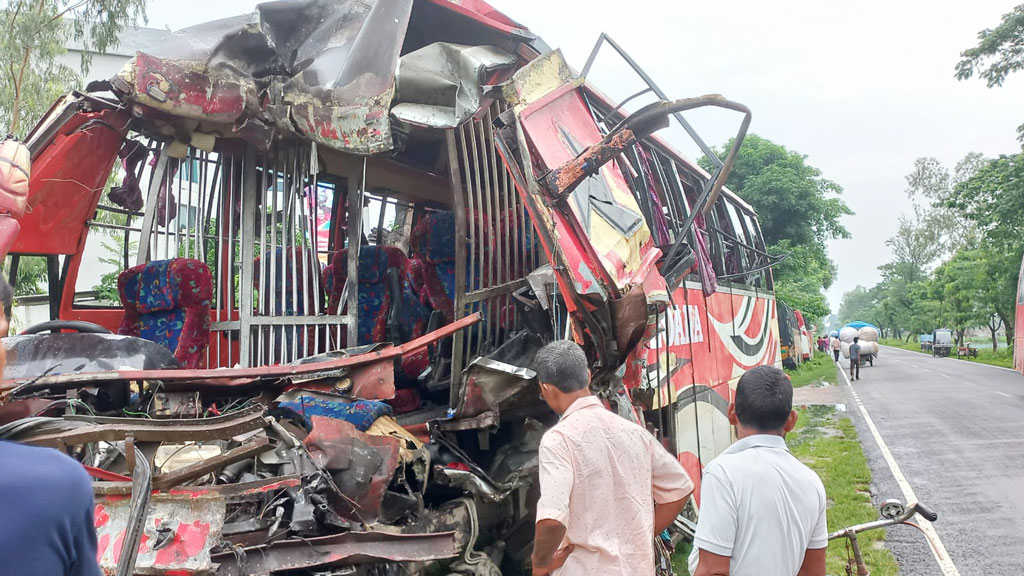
{"x": 194, "y": 430}
{"x": 344, "y": 549}
{"x": 230, "y": 377}
{"x": 200, "y": 469}
{"x": 232, "y": 493}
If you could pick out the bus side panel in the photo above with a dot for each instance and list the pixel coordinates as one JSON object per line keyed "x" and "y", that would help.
{"x": 735, "y": 332}
{"x": 1018, "y": 333}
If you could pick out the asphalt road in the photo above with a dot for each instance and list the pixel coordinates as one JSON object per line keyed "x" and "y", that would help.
{"x": 956, "y": 430}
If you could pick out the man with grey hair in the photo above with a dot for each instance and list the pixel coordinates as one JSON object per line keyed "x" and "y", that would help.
{"x": 607, "y": 486}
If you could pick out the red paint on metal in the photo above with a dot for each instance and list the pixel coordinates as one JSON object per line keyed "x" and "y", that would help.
{"x": 331, "y": 444}
{"x": 189, "y": 493}
{"x": 101, "y": 516}
{"x": 101, "y": 474}
{"x": 118, "y": 544}
{"x": 144, "y": 544}
{"x": 67, "y": 180}
{"x": 228, "y": 377}
{"x": 484, "y": 13}
{"x": 101, "y": 546}
{"x": 189, "y": 540}
{"x": 187, "y": 93}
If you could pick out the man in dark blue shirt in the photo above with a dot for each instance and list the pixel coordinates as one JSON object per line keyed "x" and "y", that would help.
{"x": 46, "y": 504}
{"x": 46, "y": 514}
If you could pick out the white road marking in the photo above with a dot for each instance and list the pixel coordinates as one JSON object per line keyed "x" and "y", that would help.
{"x": 1002, "y": 393}
{"x": 938, "y": 549}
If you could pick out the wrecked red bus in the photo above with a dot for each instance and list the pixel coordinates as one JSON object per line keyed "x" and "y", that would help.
{"x": 334, "y": 242}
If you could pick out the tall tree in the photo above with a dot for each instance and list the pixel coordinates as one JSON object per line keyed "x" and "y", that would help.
{"x": 930, "y": 185}
{"x": 999, "y": 53}
{"x": 799, "y": 211}
{"x": 36, "y": 33}
{"x": 993, "y": 197}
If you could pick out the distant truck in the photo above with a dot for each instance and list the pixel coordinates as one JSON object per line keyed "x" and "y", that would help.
{"x": 926, "y": 342}
{"x": 942, "y": 342}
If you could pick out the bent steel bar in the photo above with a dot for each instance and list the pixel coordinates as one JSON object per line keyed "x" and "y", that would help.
{"x": 228, "y": 377}
{"x": 654, "y": 88}
{"x": 143, "y": 430}
{"x": 561, "y": 181}
{"x": 142, "y": 479}
{"x": 342, "y": 549}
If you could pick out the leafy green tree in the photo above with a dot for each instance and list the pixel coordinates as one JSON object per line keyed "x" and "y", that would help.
{"x": 993, "y": 197}
{"x": 957, "y": 286}
{"x": 999, "y": 53}
{"x": 35, "y": 35}
{"x": 857, "y": 304}
{"x": 800, "y": 277}
{"x": 31, "y": 275}
{"x": 799, "y": 211}
{"x": 931, "y": 185}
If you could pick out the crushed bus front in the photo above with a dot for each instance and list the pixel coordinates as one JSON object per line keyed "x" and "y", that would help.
{"x": 339, "y": 235}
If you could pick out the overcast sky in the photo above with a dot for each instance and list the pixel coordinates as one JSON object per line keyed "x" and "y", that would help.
{"x": 861, "y": 88}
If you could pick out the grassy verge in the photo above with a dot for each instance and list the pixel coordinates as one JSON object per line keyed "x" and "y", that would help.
{"x": 830, "y": 446}
{"x": 816, "y": 370}
{"x": 1002, "y": 357}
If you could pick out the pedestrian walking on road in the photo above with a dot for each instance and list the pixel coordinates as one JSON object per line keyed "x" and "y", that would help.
{"x": 762, "y": 511}
{"x": 855, "y": 358}
{"x": 835, "y": 348}
{"x": 608, "y": 488}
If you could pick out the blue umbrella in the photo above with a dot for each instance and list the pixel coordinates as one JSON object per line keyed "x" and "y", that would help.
{"x": 834, "y": 333}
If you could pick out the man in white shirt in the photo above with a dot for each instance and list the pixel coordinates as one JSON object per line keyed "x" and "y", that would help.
{"x": 762, "y": 511}
{"x": 607, "y": 486}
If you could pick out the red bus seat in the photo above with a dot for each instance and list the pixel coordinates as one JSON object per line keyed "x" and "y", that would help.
{"x": 375, "y": 301}
{"x": 168, "y": 302}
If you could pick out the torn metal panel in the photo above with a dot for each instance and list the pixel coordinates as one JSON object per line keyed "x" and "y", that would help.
{"x": 361, "y": 465}
{"x": 200, "y": 469}
{"x": 341, "y": 550}
{"x": 30, "y": 355}
{"x": 538, "y": 79}
{"x": 442, "y": 85}
{"x": 320, "y": 69}
{"x": 178, "y": 533}
{"x": 374, "y": 381}
{"x": 487, "y": 383}
{"x": 234, "y": 378}
{"x": 99, "y": 430}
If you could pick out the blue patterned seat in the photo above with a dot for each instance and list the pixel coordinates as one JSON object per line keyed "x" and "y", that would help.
{"x": 168, "y": 302}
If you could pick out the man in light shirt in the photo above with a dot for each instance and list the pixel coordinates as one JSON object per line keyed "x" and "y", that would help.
{"x": 762, "y": 511}
{"x": 607, "y": 486}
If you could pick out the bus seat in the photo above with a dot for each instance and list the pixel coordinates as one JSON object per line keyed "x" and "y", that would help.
{"x": 432, "y": 269}
{"x": 375, "y": 301}
{"x": 281, "y": 297}
{"x": 168, "y": 302}
{"x": 292, "y": 288}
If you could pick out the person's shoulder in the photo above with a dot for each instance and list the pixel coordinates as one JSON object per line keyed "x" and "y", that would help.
{"x": 806, "y": 474}
{"x": 47, "y": 468}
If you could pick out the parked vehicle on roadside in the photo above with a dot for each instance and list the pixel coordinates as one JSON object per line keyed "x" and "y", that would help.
{"x": 942, "y": 342}
{"x": 789, "y": 337}
{"x": 893, "y": 513}
{"x": 926, "y": 342}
